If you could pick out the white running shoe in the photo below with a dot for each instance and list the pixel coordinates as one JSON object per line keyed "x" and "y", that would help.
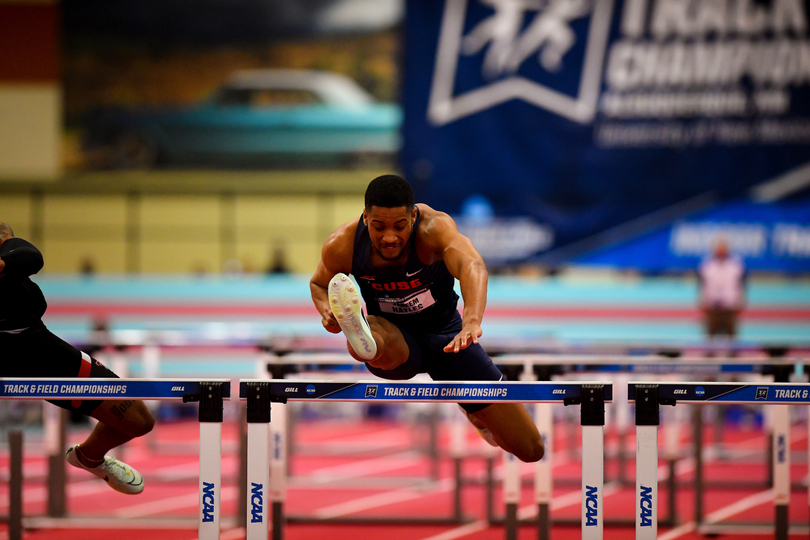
{"x": 344, "y": 299}
{"x": 484, "y": 432}
{"x": 120, "y": 476}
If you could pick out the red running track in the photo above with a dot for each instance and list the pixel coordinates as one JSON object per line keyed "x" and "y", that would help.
{"x": 376, "y": 479}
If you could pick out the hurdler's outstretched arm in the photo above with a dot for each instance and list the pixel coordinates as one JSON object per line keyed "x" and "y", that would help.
{"x": 465, "y": 264}
{"x": 336, "y": 256}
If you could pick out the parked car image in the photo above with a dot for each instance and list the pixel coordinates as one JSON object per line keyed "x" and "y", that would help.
{"x": 257, "y": 116}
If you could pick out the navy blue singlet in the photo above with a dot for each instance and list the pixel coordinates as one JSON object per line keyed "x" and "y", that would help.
{"x": 420, "y": 300}
{"x": 418, "y": 297}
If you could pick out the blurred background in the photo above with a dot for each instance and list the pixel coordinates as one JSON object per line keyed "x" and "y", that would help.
{"x": 180, "y": 163}
{"x": 578, "y": 143}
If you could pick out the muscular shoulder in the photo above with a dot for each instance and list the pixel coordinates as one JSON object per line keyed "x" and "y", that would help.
{"x": 338, "y": 248}
{"x": 436, "y": 229}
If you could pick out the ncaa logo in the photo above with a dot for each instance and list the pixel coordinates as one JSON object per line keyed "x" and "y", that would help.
{"x": 371, "y": 390}
{"x": 310, "y": 389}
{"x": 502, "y": 36}
{"x": 762, "y": 392}
{"x": 700, "y": 391}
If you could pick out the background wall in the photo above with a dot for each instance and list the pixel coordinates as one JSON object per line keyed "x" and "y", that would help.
{"x": 30, "y": 90}
{"x": 184, "y": 222}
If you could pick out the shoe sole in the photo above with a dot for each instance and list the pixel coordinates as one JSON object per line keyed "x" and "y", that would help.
{"x": 344, "y": 300}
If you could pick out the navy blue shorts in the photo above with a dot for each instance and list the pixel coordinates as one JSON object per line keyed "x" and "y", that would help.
{"x": 427, "y": 356}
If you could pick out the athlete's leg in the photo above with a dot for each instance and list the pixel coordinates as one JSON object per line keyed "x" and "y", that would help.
{"x": 392, "y": 348}
{"x": 512, "y": 428}
{"x": 119, "y": 421}
{"x": 510, "y": 424}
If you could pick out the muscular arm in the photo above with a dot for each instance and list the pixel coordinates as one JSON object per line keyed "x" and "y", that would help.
{"x": 336, "y": 256}
{"x": 465, "y": 264}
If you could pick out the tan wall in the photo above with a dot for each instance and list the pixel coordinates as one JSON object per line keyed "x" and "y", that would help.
{"x": 165, "y": 233}
{"x": 167, "y": 221}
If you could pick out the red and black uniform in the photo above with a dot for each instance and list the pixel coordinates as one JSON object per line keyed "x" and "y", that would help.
{"x": 27, "y": 347}
{"x": 421, "y": 301}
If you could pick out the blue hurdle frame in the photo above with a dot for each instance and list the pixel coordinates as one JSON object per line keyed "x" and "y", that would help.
{"x": 209, "y": 393}
{"x": 261, "y": 393}
{"x": 649, "y": 395}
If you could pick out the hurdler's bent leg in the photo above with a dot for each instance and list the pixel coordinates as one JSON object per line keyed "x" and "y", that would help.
{"x": 119, "y": 421}
{"x": 512, "y": 428}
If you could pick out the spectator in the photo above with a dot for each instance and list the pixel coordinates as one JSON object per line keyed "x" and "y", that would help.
{"x": 722, "y": 292}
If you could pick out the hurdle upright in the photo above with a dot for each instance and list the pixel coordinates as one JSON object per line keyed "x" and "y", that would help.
{"x": 261, "y": 393}
{"x": 649, "y": 395}
{"x": 209, "y": 393}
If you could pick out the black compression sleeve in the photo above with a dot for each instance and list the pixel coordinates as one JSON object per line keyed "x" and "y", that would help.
{"x": 21, "y": 257}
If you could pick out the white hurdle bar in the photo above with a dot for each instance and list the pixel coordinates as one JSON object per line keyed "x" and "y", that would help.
{"x": 209, "y": 393}
{"x": 261, "y": 393}
{"x": 649, "y": 395}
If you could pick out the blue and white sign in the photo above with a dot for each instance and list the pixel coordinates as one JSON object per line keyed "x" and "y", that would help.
{"x": 774, "y": 236}
{"x": 445, "y": 391}
{"x": 784, "y": 393}
{"x": 105, "y": 388}
{"x": 578, "y": 116}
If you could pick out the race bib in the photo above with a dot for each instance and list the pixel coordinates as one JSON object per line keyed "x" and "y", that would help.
{"x": 404, "y": 306}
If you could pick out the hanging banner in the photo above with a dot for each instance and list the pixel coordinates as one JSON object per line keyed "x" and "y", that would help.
{"x": 577, "y": 116}
{"x": 770, "y": 237}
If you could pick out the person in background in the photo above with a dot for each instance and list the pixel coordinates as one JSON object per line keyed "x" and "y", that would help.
{"x": 722, "y": 292}
{"x": 406, "y": 258}
{"x": 30, "y": 350}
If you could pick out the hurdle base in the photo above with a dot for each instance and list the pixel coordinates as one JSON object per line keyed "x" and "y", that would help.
{"x": 382, "y": 520}
{"x": 749, "y": 528}
{"x": 37, "y": 522}
{"x": 502, "y": 521}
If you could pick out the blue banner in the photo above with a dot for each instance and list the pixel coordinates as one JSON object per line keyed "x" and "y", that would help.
{"x": 765, "y": 236}
{"x": 104, "y": 388}
{"x": 577, "y": 116}
{"x": 764, "y": 393}
{"x": 445, "y": 391}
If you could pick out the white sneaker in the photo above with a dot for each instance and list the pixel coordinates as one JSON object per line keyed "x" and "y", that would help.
{"x": 484, "y": 432}
{"x": 120, "y": 476}
{"x": 348, "y": 309}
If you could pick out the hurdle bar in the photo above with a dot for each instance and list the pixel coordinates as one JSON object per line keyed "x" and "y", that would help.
{"x": 531, "y": 366}
{"x": 592, "y": 396}
{"x": 209, "y": 393}
{"x": 652, "y": 394}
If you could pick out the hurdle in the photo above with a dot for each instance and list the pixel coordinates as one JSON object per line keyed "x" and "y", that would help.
{"x": 649, "y": 395}
{"x": 261, "y": 393}
{"x": 209, "y": 393}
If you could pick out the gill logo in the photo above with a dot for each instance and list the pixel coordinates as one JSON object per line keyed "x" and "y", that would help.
{"x": 515, "y": 33}
{"x": 208, "y": 502}
{"x": 591, "y": 506}
{"x": 256, "y": 502}
{"x": 645, "y": 506}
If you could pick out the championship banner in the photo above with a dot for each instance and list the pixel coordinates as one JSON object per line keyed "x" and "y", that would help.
{"x": 563, "y": 119}
{"x": 445, "y": 391}
{"x": 106, "y": 388}
{"x": 732, "y": 393}
{"x": 773, "y": 236}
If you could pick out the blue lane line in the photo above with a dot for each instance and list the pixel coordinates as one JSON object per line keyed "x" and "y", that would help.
{"x": 663, "y": 292}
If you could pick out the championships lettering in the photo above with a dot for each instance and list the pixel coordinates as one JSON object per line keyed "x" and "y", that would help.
{"x": 34, "y": 389}
{"x": 463, "y": 392}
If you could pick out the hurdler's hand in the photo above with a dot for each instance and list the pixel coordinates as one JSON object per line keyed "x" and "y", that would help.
{"x": 329, "y": 321}
{"x": 469, "y": 334}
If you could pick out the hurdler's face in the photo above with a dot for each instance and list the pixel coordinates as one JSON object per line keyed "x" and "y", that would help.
{"x": 390, "y": 230}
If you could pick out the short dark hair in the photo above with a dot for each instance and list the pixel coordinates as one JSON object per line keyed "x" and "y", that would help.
{"x": 389, "y": 191}
{"x": 5, "y": 230}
